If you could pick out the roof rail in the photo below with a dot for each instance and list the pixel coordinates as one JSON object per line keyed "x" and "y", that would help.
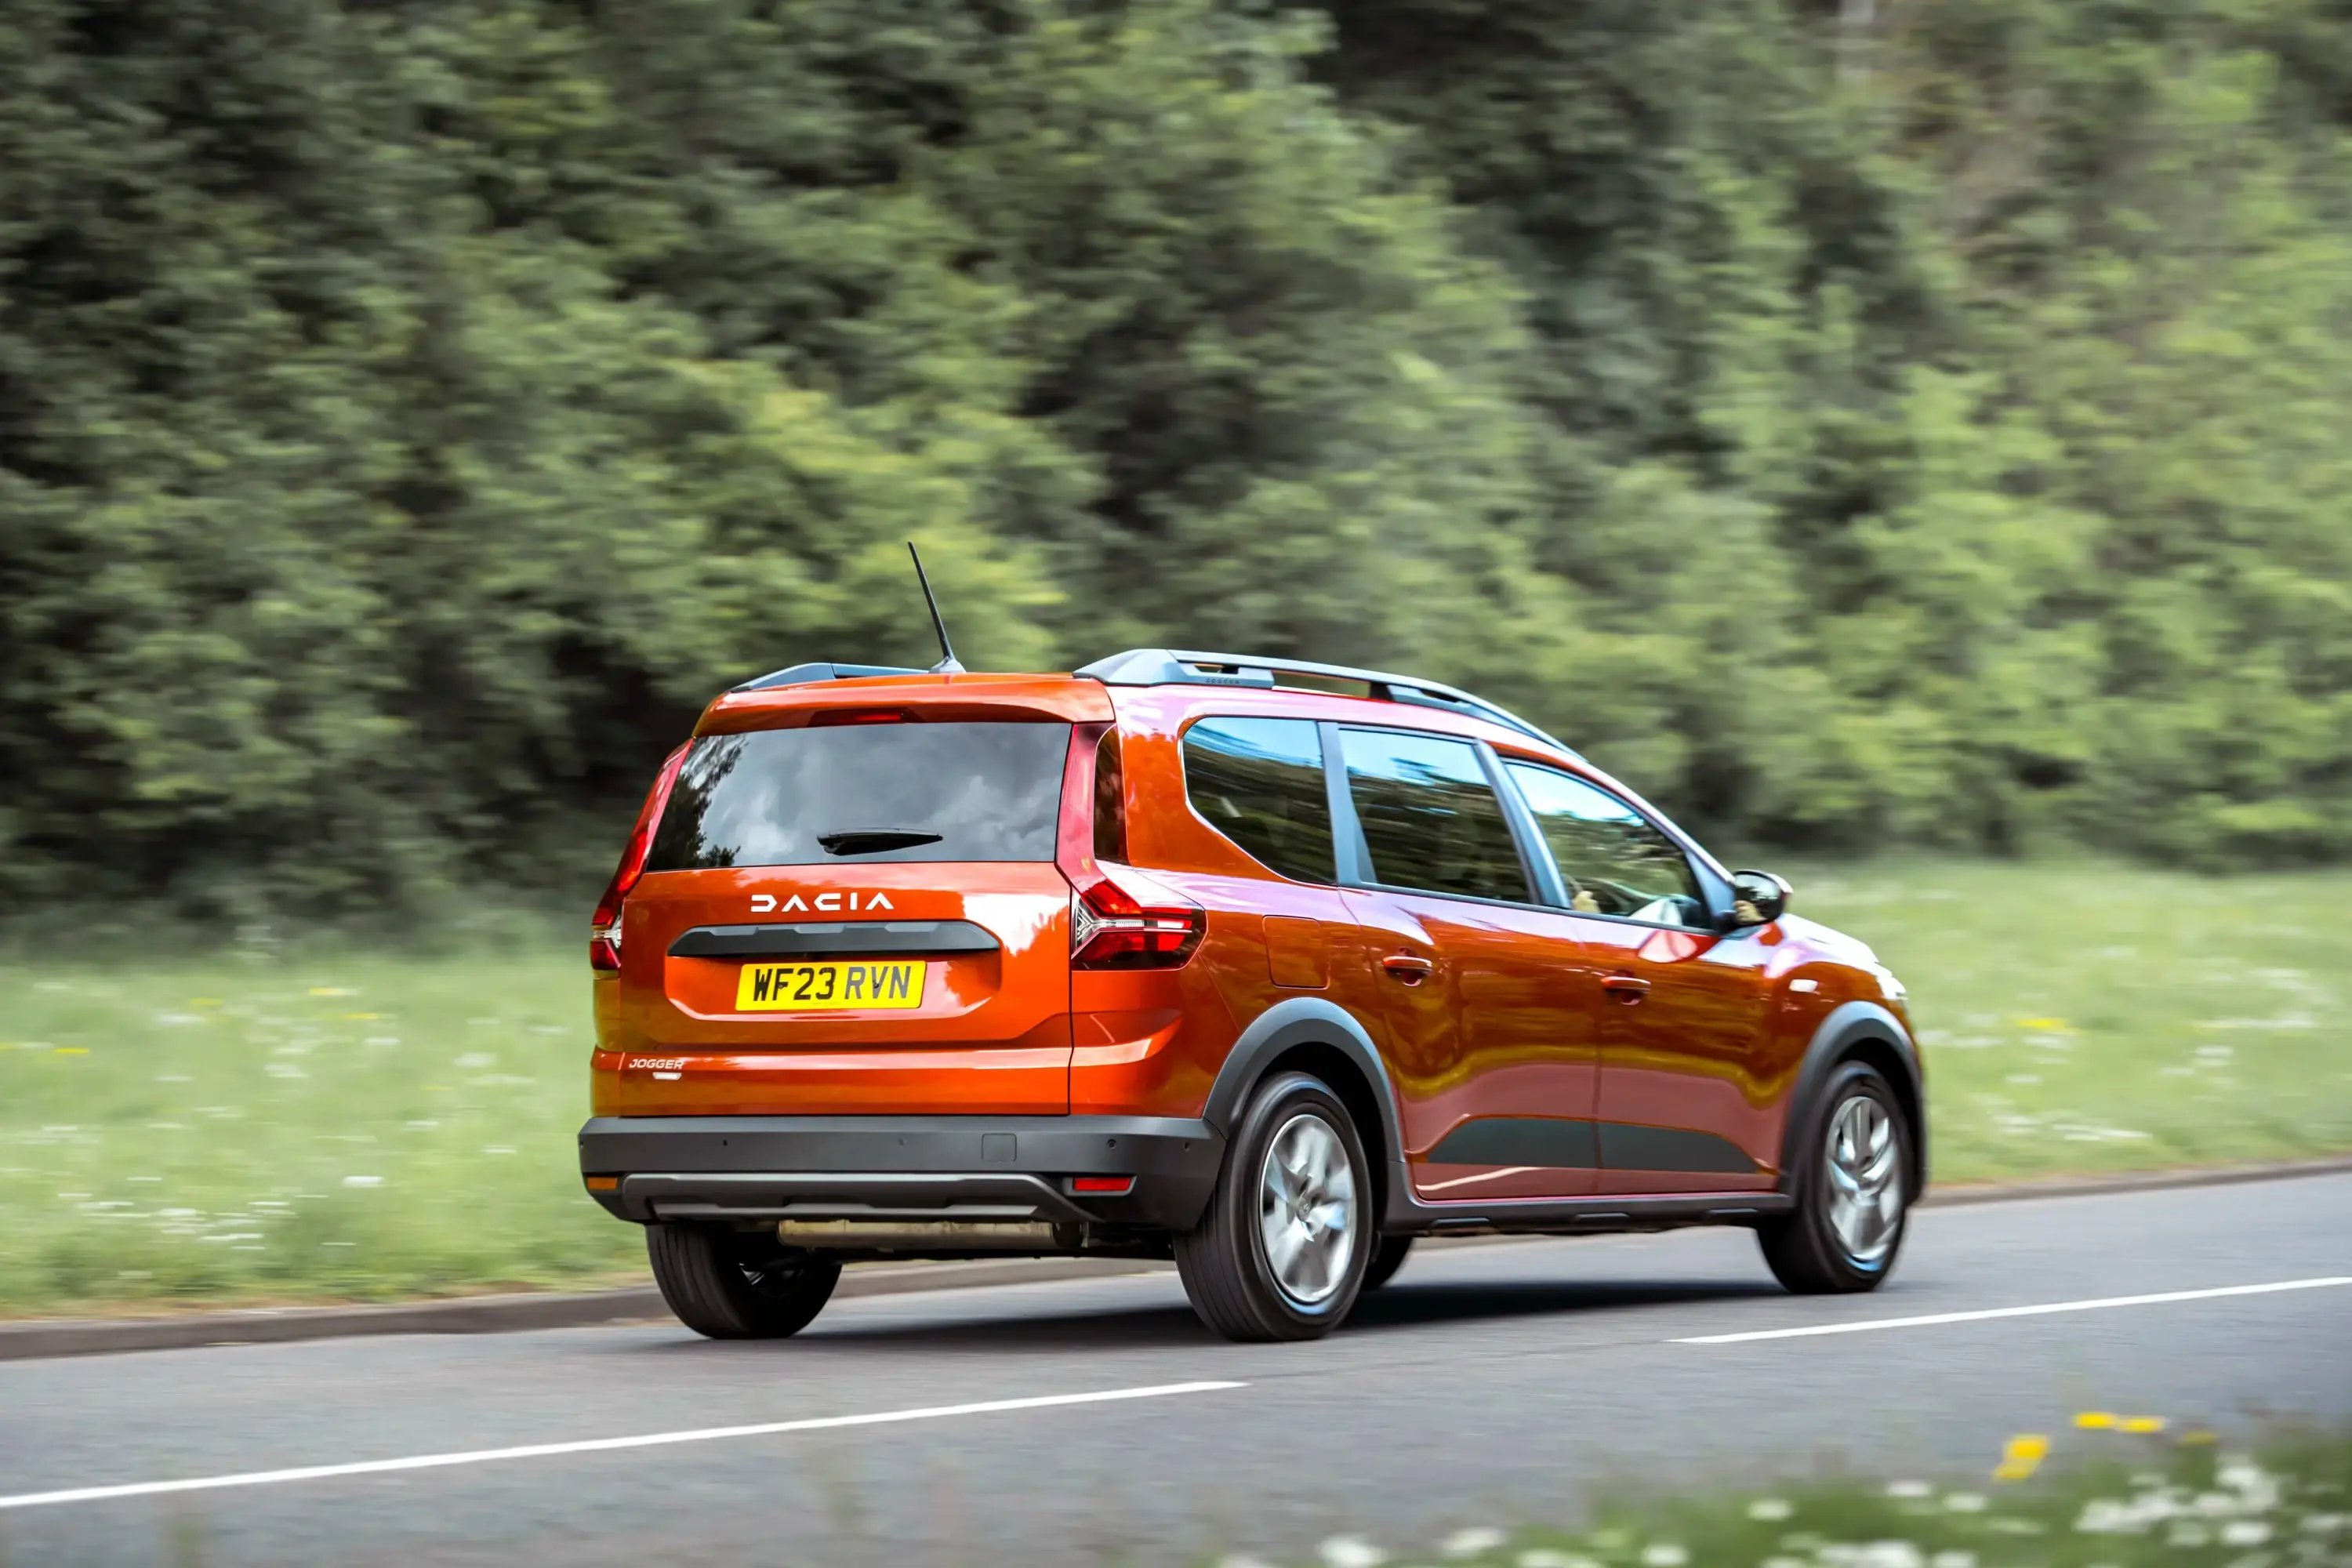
{"x": 1190, "y": 667}
{"x": 807, "y": 674}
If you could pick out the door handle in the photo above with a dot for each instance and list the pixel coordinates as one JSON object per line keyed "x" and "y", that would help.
{"x": 1409, "y": 967}
{"x": 1628, "y": 989}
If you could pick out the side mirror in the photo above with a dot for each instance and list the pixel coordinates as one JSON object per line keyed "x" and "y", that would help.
{"x": 1766, "y": 893}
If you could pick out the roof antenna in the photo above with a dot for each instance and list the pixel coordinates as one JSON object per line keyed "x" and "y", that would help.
{"x": 949, "y": 664}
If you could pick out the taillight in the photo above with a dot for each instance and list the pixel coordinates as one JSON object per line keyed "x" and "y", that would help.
{"x": 1119, "y": 918}
{"x": 605, "y": 926}
{"x": 1124, "y": 920}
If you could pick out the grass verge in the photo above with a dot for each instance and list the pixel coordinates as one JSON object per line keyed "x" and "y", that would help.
{"x": 2093, "y": 1018}
{"x": 259, "y": 1124}
{"x": 2192, "y": 1506}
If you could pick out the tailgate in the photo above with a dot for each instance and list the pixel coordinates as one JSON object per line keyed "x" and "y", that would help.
{"x": 860, "y": 920}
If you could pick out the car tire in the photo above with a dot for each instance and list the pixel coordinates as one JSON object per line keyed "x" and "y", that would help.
{"x": 1851, "y": 1185}
{"x": 1281, "y": 1251}
{"x": 1388, "y": 1256}
{"x": 736, "y": 1285}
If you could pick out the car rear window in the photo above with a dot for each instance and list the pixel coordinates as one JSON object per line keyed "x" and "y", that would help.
{"x": 848, "y": 794}
{"x": 1259, "y": 782}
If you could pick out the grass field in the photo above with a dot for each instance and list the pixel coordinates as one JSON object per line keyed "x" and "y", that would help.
{"x": 261, "y": 1123}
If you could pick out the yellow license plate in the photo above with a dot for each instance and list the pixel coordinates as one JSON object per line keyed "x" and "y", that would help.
{"x": 800, "y": 987}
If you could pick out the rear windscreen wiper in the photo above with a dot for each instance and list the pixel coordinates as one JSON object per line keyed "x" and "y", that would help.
{"x": 874, "y": 841}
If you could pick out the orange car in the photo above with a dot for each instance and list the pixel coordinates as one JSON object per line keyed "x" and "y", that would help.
{"x": 1271, "y": 966}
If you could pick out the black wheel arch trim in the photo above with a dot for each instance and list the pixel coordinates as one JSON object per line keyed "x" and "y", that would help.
{"x": 1305, "y": 1021}
{"x": 1849, "y": 1024}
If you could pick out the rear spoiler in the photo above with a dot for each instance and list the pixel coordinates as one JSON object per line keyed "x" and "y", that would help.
{"x": 809, "y": 673}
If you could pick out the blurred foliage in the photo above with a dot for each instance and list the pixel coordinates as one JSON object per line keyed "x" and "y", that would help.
{"x": 1923, "y": 422}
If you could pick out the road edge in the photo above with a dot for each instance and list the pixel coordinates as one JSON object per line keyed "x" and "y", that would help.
{"x": 42, "y": 1338}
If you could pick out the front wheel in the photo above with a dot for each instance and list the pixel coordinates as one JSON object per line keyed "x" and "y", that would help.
{"x": 738, "y": 1285}
{"x": 1280, "y": 1252}
{"x": 1852, "y": 1189}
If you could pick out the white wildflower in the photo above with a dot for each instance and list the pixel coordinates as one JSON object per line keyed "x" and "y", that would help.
{"x": 2245, "y": 1532}
{"x": 1964, "y": 1502}
{"x": 363, "y": 1181}
{"x": 1475, "y": 1540}
{"x": 1909, "y": 1488}
{"x": 1769, "y": 1508}
{"x": 1351, "y": 1551}
{"x": 1664, "y": 1554}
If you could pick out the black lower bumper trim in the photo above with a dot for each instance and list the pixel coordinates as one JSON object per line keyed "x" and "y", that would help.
{"x": 946, "y": 1168}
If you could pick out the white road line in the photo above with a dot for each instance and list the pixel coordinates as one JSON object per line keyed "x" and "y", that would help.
{"x": 597, "y": 1446}
{"x": 1932, "y": 1318}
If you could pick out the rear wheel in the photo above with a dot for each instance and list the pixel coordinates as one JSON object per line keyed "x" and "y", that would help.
{"x": 1852, "y": 1189}
{"x": 738, "y": 1285}
{"x": 1388, "y": 1256}
{"x": 1281, "y": 1251}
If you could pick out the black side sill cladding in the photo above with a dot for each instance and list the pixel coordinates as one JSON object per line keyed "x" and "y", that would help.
{"x": 1556, "y": 1144}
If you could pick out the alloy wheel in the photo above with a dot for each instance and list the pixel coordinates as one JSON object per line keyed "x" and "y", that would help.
{"x": 1864, "y": 1168}
{"x": 1306, "y": 1209}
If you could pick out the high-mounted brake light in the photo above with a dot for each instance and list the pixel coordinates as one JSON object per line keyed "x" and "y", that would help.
{"x": 605, "y": 926}
{"x": 1119, "y": 918}
{"x": 831, "y": 716}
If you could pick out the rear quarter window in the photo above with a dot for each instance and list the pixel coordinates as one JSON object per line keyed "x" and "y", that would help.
{"x": 860, "y": 793}
{"x": 1259, "y": 782}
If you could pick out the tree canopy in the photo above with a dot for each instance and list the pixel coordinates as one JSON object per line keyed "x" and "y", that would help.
{"x": 1923, "y": 422}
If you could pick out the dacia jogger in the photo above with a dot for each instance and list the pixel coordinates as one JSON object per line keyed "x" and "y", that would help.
{"x": 1272, "y": 967}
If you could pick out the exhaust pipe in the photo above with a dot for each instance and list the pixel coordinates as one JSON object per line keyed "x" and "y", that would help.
{"x": 861, "y": 1235}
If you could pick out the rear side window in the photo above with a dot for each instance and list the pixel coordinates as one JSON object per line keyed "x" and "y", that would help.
{"x": 1612, "y": 860}
{"x": 842, "y": 795}
{"x": 1431, "y": 819}
{"x": 1259, "y": 782}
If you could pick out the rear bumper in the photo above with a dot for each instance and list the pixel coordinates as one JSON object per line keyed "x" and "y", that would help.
{"x": 944, "y": 1169}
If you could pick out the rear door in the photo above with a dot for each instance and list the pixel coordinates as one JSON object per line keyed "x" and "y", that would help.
{"x": 854, "y": 918}
{"x": 1489, "y": 997}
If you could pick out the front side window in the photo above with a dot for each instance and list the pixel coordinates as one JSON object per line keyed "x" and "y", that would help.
{"x": 851, "y": 793}
{"x": 1259, "y": 782}
{"x": 1612, "y": 860}
{"x": 1431, "y": 820}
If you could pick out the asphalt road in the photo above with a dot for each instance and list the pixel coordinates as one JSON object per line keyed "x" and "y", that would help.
{"x": 1488, "y": 1384}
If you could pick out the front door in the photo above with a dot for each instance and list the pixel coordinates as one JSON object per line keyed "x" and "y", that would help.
{"x": 1683, "y": 1102}
{"x": 1490, "y": 1000}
